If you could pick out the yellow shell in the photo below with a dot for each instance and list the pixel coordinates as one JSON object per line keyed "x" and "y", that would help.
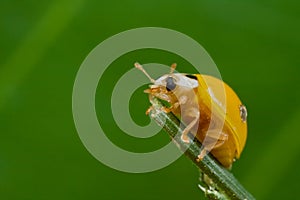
{"x": 235, "y": 125}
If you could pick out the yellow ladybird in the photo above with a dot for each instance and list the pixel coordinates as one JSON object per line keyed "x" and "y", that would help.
{"x": 191, "y": 98}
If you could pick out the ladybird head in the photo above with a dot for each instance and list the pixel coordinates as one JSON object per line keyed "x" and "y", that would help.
{"x": 169, "y": 86}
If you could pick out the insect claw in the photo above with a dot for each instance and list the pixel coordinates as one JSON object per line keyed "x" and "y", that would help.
{"x": 149, "y": 110}
{"x": 147, "y": 91}
{"x": 201, "y": 155}
{"x": 166, "y": 110}
{"x": 185, "y": 139}
{"x": 202, "y": 188}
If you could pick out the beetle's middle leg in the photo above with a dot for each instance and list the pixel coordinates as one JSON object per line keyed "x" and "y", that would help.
{"x": 194, "y": 113}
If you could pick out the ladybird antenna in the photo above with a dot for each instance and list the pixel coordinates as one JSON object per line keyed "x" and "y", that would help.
{"x": 140, "y": 67}
{"x": 173, "y": 67}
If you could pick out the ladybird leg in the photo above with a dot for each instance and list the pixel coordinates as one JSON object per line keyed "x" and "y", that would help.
{"x": 161, "y": 96}
{"x": 214, "y": 139}
{"x": 173, "y": 107}
{"x": 182, "y": 100}
{"x": 166, "y": 110}
{"x": 184, "y": 136}
{"x": 216, "y": 135}
{"x": 149, "y": 110}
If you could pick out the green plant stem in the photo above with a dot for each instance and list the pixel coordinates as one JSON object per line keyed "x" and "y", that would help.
{"x": 223, "y": 185}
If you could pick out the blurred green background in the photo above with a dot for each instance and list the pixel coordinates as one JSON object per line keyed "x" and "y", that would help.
{"x": 255, "y": 45}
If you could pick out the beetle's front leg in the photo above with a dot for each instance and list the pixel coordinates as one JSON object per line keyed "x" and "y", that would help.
{"x": 173, "y": 107}
{"x": 182, "y": 100}
{"x": 149, "y": 110}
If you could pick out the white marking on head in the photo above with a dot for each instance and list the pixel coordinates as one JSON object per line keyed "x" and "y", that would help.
{"x": 180, "y": 80}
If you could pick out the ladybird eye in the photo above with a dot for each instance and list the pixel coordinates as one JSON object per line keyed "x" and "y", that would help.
{"x": 170, "y": 83}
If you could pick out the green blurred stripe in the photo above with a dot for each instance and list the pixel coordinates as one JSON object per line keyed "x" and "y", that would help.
{"x": 34, "y": 46}
{"x": 275, "y": 160}
{"x": 257, "y": 19}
